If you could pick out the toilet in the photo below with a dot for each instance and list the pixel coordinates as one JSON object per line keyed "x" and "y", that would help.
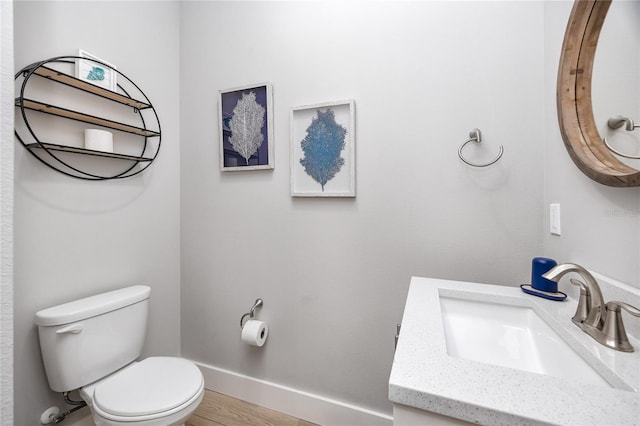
{"x": 93, "y": 345}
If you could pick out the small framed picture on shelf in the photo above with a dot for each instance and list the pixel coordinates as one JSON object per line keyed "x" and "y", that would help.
{"x": 323, "y": 161}
{"x": 245, "y": 123}
{"x": 94, "y": 70}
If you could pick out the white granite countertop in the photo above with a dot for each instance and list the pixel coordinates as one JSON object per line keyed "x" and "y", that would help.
{"x": 424, "y": 376}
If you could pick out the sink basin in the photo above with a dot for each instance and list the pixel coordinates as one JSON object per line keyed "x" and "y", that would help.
{"x": 510, "y": 336}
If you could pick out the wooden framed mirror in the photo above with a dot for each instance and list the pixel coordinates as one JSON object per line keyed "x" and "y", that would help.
{"x": 575, "y": 111}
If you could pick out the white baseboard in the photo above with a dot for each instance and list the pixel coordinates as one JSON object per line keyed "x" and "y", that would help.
{"x": 296, "y": 403}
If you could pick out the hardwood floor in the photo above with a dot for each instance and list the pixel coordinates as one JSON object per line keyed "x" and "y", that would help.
{"x": 217, "y": 409}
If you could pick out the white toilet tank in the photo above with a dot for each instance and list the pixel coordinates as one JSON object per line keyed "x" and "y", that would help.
{"x": 87, "y": 339}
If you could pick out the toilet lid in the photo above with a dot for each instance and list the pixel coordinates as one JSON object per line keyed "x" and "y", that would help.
{"x": 151, "y": 386}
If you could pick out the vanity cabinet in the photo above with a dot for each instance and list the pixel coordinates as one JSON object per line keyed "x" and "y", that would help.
{"x": 429, "y": 376}
{"x": 49, "y": 88}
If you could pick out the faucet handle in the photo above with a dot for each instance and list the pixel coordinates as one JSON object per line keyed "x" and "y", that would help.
{"x": 613, "y": 329}
{"x": 615, "y": 305}
{"x": 584, "y": 303}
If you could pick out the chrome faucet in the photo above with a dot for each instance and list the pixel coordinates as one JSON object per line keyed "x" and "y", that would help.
{"x": 601, "y": 321}
{"x": 591, "y": 301}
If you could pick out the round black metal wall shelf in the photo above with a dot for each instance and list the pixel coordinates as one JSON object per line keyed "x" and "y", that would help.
{"x": 54, "y": 79}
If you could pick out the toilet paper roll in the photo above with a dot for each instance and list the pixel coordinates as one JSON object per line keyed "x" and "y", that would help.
{"x": 254, "y": 333}
{"x": 98, "y": 140}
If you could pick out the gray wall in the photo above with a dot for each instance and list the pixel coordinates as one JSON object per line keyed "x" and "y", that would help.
{"x": 76, "y": 238}
{"x": 334, "y": 273}
{"x": 600, "y": 224}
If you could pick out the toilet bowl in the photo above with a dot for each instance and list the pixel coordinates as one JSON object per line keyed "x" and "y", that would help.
{"x": 157, "y": 391}
{"x": 94, "y": 344}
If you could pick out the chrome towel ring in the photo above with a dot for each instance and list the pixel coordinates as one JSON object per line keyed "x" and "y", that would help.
{"x": 616, "y": 123}
{"x": 476, "y": 137}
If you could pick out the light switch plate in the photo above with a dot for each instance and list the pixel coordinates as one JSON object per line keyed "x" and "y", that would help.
{"x": 554, "y": 219}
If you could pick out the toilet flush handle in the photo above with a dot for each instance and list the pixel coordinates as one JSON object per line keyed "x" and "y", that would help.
{"x": 70, "y": 329}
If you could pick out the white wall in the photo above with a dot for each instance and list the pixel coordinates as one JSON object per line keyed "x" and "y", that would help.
{"x": 77, "y": 238}
{"x": 600, "y": 224}
{"x": 334, "y": 273}
{"x": 6, "y": 212}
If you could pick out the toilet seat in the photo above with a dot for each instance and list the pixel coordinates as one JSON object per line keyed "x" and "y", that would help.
{"x": 152, "y": 388}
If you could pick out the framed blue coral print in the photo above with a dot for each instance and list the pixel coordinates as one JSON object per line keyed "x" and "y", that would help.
{"x": 323, "y": 159}
{"x": 246, "y": 128}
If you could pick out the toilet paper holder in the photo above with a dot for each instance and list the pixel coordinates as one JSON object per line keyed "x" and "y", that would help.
{"x": 251, "y": 312}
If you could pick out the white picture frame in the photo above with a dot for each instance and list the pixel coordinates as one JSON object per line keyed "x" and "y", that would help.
{"x": 329, "y": 169}
{"x": 245, "y": 153}
{"x": 96, "y": 71}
